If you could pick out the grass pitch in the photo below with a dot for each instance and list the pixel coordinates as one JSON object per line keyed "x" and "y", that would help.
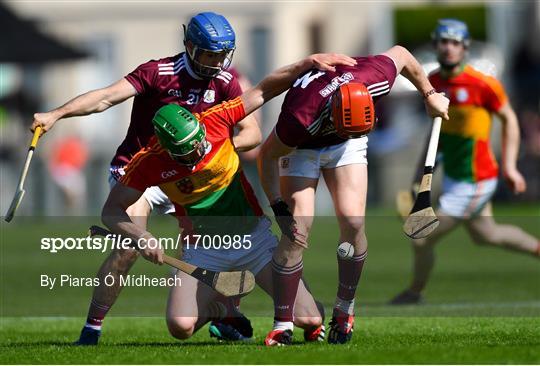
{"x": 482, "y": 305}
{"x": 376, "y": 340}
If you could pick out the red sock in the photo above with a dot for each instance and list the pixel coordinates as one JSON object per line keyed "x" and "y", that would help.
{"x": 349, "y": 275}
{"x": 96, "y": 314}
{"x": 286, "y": 280}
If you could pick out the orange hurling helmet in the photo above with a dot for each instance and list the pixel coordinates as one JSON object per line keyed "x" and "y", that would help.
{"x": 353, "y": 111}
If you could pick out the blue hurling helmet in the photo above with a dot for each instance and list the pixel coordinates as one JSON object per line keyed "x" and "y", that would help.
{"x": 209, "y": 32}
{"x": 452, "y": 29}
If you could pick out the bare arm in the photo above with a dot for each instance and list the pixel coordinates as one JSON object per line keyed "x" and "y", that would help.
{"x": 408, "y": 66}
{"x": 281, "y": 79}
{"x": 94, "y": 101}
{"x": 114, "y": 216}
{"x": 249, "y": 134}
{"x": 510, "y": 148}
{"x": 268, "y": 165}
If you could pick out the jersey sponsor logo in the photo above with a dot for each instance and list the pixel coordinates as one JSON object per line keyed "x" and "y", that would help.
{"x": 462, "y": 95}
{"x": 335, "y": 83}
{"x": 209, "y": 96}
{"x": 168, "y": 174}
{"x": 175, "y": 93}
{"x": 185, "y": 185}
{"x": 307, "y": 78}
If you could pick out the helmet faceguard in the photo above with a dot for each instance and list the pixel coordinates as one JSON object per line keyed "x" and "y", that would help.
{"x": 210, "y": 43}
{"x": 353, "y": 112}
{"x": 192, "y": 158}
{"x": 181, "y": 134}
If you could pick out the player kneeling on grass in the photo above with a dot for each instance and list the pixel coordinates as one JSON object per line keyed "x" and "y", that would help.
{"x": 193, "y": 160}
{"x": 470, "y": 171}
{"x": 196, "y": 79}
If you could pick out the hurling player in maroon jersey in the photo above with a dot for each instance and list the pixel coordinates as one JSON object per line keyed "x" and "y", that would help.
{"x": 197, "y": 150}
{"x": 321, "y": 129}
{"x": 197, "y": 80}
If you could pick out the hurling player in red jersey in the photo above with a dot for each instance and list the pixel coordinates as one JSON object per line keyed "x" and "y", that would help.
{"x": 192, "y": 158}
{"x": 321, "y": 129}
{"x": 196, "y": 79}
{"x": 470, "y": 168}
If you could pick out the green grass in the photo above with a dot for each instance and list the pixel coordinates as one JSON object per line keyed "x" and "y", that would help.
{"x": 482, "y": 304}
{"x": 376, "y": 340}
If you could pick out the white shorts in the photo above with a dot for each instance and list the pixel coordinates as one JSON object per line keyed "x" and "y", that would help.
{"x": 308, "y": 163}
{"x": 259, "y": 254}
{"x": 156, "y": 198}
{"x": 464, "y": 199}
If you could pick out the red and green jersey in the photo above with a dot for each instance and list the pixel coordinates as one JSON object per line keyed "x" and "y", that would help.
{"x": 216, "y": 186}
{"x": 464, "y": 141}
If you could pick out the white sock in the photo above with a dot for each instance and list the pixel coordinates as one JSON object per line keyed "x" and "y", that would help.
{"x": 347, "y": 306}
{"x": 92, "y": 326}
{"x": 283, "y": 325}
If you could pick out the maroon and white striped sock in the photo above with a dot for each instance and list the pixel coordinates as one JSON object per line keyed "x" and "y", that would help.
{"x": 349, "y": 276}
{"x": 286, "y": 280}
{"x": 96, "y": 314}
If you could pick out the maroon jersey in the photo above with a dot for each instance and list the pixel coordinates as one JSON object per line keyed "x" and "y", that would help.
{"x": 305, "y": 122}
{"x": 164, "y": 81}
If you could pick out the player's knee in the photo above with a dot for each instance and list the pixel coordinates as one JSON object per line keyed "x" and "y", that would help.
{"x": 353, "y": 225}
{"x": 181, "y": 327}
{"x": 139, "y": 208}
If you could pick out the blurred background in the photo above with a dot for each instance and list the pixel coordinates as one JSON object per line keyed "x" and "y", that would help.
{"x": 53, "y": 51}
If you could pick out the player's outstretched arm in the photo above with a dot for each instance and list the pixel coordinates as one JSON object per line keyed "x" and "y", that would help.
{"x": 281, "y": 79}
{"x": 94, "y": 101}
{"x": 510, "y": 149}
{"x": 408, "y": 66}
{"x": 268, "y": 167}
{"x": 248, "y": 132}
{"x": 114, "y": 216}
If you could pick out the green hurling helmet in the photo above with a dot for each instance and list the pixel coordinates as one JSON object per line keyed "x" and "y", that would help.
{"x": 180, "y": 133}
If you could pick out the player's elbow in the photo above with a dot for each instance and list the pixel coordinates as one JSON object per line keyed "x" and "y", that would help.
{"x": 252, "y": 135}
